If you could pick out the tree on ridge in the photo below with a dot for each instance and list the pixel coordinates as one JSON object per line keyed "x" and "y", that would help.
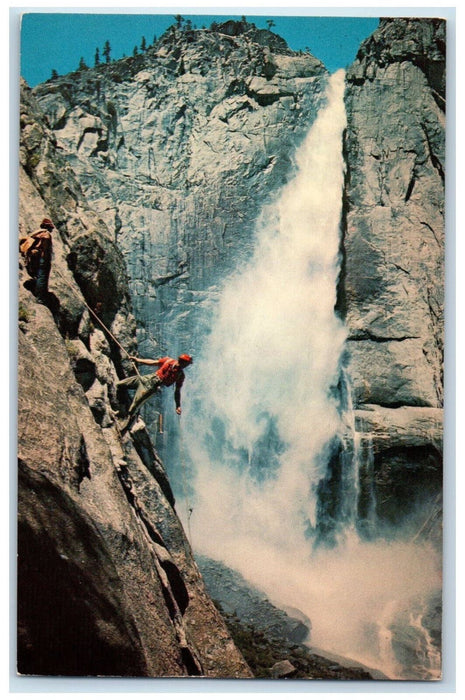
{"x": 107, "y": 51}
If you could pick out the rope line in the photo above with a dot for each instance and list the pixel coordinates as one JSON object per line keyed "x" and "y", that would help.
{"x": 97, "y": 318}
{"x": 184, "y": 480}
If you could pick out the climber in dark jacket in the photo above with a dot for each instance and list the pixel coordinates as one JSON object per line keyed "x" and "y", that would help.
{"x": 169, "y": 372}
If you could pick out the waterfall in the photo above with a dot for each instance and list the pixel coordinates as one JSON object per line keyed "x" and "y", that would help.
{"x": 266, "y": 412}
{"x": 273, "y": 355}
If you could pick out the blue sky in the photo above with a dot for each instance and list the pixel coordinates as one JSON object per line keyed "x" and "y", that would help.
{"x": 57, "y": 41}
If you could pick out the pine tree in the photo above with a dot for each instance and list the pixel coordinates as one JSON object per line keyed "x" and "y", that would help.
{"x": 107, "y": 51}
{"x": 135, "y": 51}
{"x": 82, "y": 64}
{"x": 97, "y": 57}
{"x": 54, "y": 73}
{"x": 270, "y": 23}
{"x": 143, "y": 45}
{"x": 179, "y": 20}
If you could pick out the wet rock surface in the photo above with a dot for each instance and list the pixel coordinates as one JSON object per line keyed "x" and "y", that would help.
{"x": 238, "y": 597}
{"x": 271, "y": 640}
{"x": 269, "y": 657}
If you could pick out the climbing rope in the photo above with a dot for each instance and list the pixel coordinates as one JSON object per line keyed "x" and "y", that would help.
{"x": 184, "y": 480}
{"x": 181, "y": 439}
{"x": 98, "y": 319}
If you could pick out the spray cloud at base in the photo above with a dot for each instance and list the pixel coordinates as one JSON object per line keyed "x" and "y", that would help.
{"x": 266, "y": 408}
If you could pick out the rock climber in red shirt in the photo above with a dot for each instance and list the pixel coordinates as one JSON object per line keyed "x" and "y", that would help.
{"x": 169, "y": 372}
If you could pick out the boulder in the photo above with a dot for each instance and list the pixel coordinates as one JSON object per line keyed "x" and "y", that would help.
{"x": 282, "y": 669}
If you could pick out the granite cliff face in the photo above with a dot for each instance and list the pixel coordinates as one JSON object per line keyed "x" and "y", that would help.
{"x": 391, "y": 288}
{"x": 177, "y": 150}
{"x": 107, "y": 584}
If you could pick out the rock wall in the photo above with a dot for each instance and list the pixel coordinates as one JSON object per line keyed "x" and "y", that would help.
{"x": 107, "y": 584}
{"x": 177, "y": 150}
{"x": 391, "y": 288}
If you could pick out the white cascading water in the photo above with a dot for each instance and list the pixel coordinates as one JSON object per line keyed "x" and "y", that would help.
{"x": 263, "y": 412}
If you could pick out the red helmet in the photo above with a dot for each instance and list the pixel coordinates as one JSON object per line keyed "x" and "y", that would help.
{"x": 46, "y": 223}
{"x": 186, "y": 358}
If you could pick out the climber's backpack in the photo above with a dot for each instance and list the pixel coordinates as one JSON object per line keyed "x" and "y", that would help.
{"x": 31, "y": 250}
